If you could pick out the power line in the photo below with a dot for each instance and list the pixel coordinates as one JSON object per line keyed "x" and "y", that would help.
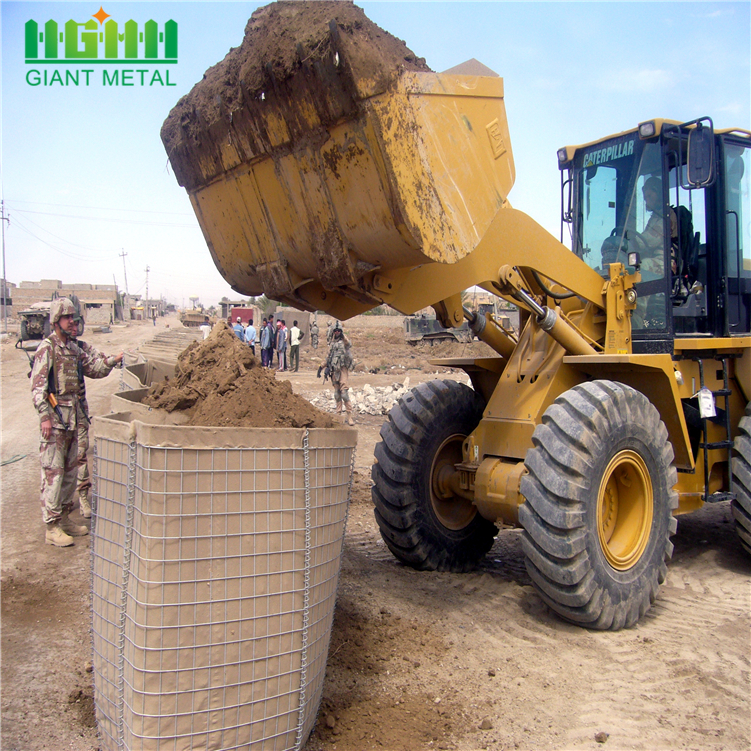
{"x": 109, "y": 219}
{"x": 62, "y": 239}
{"x": 66, "y": 253}
{"x": 4, "y": 219}
{"x": 102, "y": 208}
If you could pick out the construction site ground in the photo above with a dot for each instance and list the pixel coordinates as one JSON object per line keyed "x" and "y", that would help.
{"x": 418, "y": 660}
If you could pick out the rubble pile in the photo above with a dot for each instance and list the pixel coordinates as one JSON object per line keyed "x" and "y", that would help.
{"x": 368, "y": 400}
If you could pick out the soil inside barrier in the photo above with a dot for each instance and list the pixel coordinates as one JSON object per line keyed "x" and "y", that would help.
{"x": 218, "y": 382}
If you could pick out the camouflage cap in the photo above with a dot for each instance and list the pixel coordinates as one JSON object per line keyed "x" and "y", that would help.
{"x": 61, "y": 307}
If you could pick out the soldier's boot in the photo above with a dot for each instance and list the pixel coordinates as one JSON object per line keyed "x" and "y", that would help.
{"x": 74, "y": 530}
{"x": 83, "y": 502}
{"x": 56, "y": 536}
{"x": 350, "y": 419}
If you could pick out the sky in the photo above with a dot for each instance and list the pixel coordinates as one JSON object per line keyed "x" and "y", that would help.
{"x": 90, "y": 197}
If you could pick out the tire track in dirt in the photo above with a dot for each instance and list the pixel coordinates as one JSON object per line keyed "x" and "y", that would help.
{"x": 685, "y": 651}
{"x": 691, "y": 649}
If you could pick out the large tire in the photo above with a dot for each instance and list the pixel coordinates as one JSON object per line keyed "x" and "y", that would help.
{"x": 422, "y": 525}
{"x": 741, "y": 506}
{"x": 599, "y": 500}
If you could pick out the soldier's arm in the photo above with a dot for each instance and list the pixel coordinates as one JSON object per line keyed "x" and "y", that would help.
{"x": 95, "y": 363}
{"x": 40, "y": 373}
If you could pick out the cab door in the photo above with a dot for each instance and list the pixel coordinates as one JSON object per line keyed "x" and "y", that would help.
{"x": 736, "y": 200}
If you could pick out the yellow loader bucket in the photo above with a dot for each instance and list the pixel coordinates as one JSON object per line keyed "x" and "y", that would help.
{"x": 319, "y": 179}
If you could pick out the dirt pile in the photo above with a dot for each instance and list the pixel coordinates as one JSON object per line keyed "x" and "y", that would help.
{"x": 220, "y": 383}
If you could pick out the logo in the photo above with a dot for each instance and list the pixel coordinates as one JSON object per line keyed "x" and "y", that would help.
{"x": 100, "y": 41}
{"x": 610, "y": 154}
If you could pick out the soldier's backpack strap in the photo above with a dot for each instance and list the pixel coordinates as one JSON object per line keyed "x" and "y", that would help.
{"x": 52, "y": 375}
{"x": 81, "y": 382}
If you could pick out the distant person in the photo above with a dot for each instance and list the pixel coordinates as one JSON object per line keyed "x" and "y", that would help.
{"x": 295, "y": 337}
{"x": 239, "y": 329}
{"x": 265, "y": 344}
{"x": 286, "y": 341}
{"x": 272, "y": 331}
{"x": 339, "y": 362}
{"x": 281, "y": 344}
{"x": 314, "y": 334}
{"x": 250, "y": 336}
{"x": 58, "y": 370}
{"x": 205, "y": 327}
{"x": 330, "y": 332}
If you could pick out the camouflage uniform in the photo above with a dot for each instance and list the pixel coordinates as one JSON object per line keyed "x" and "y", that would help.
{"x": 339, "y": 363}
{"x": 653, "y": 241}
{"x": 82, "y": 429}
{"x": 61, "y": 454}
{"x": 649, "y": 311}
{"x": 314, "y": 335}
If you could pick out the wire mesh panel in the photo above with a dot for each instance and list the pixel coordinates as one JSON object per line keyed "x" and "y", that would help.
{"x": 216, "y": 557}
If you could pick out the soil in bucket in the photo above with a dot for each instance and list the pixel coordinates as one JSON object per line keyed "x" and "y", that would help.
{"x": 280, "y": 39}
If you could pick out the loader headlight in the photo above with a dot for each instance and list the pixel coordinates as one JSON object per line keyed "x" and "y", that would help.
{"x": 562, "y": 156}
{"x": 648, "y": 129}
{"x": 634, "y": 259}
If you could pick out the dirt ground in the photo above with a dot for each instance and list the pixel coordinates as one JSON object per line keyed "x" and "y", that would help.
{"x": 418, "y": 661}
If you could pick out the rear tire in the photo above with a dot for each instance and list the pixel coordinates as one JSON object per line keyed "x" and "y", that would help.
{"x": 741, "y": 506}
{"x": 422, "y": 525}
{"x": 599, "y": 499}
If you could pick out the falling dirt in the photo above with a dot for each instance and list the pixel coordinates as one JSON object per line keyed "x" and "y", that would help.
{"x": 219, "y": 382}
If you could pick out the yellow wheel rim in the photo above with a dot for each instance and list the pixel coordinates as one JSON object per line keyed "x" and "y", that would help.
{"x": 625, "y": 505}
{"x": 453, "y": 511}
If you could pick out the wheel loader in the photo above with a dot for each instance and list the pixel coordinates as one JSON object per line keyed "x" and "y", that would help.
{"x": 622, "y": 401}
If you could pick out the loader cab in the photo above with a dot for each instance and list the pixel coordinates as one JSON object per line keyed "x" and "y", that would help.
{"x": 678, "y": 195}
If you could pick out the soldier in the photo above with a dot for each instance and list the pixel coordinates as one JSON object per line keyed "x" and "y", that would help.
{"x": 59, "y": 365}
{"x": 339, "y": 363}
{"x": 314, "y": 334}
{"x": 82, "y": 430}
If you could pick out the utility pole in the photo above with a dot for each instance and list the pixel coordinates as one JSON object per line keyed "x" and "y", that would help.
{"x": 127, "y": 294}
{"x": 147, "y": 307}
{"x": 4, "y": 219}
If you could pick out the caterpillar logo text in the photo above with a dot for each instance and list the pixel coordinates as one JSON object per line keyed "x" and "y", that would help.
{"x": 601, "y": 156}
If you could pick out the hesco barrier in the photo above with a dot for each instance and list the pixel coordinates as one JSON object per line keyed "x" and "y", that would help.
{"x": 215, "y": 559}
{"x": 144, "y": 374}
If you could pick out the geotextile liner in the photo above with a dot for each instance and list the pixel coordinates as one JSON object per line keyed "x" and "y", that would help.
{"x": 215, "y": 557}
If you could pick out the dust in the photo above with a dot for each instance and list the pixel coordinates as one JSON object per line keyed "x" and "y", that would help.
{"x": 220, "y": 383}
